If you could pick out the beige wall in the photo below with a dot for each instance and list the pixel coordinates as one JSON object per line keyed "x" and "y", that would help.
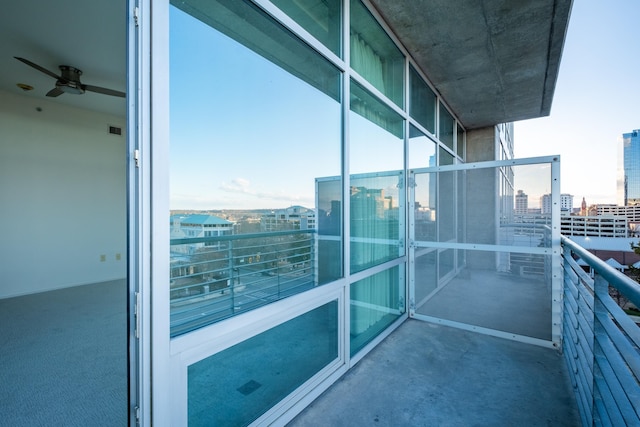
{"x": 62, "y": 196}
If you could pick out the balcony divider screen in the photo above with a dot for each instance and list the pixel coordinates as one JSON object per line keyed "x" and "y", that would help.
{"x": 481, "y": 259}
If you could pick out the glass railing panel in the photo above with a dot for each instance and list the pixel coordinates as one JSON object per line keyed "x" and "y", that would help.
{"x": 236, "y": 386}
{"x": 218, "y": 277}
{"x": 376, "y": 302}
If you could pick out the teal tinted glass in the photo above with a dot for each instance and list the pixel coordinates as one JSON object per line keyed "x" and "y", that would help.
{"x": 446, "y": 158}
{"x": 321, "y": 18}
{"x": 374, "y": 55}
{"x": 422, "y": 101}
{"x": 236, "y": 386}
{"x": 460, "y": 142}
{"x": 376, "y": 181}
{"x": 373, "y": 110}
{"x": 376, "y": 302}
{"x": 244, "y": 192}
{"x": 247, "y": 24}
{"x": 377, "y": 212}
{"x": 446, "y": 127}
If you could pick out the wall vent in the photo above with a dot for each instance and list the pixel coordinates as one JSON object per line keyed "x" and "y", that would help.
{"x": 115, "y": 130}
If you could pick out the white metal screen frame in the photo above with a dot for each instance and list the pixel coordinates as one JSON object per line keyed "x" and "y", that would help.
{"x": 554, "y": 251}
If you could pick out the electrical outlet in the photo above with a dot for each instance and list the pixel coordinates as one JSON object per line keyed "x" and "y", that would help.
{"x": 103, "y": 258}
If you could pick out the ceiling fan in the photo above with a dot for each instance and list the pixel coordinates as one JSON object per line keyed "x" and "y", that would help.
{"x": 69, "y": 81}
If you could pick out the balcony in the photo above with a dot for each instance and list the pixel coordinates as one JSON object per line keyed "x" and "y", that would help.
{"x": 429, "y": 373}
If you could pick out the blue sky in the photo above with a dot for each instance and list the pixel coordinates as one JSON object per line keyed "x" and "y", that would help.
{"x": 597, "y": 99}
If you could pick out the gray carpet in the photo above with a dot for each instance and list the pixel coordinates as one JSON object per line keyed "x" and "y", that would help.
{"x": 64, "y": 357}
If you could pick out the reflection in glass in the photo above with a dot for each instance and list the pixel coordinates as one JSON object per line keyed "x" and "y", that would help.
{"x": 329, "y": 224}
{"x": 446, "y": 127}
{"x": 422, "y": 101}
{"x": 244, "y": 220}
{"x": 321, "y": 18}
{"x": 370, "y": 108}
{"x": 376, "y": 197}
{"x": 236, "y": 386}
{"x": 376, "y": 302}
{"x": 422, "y": 150}
{"x": 460, "y": 142}
{"x": 445, "y": 158}
{"x": 374, "y": 55}
{"x": 377, "y": 210}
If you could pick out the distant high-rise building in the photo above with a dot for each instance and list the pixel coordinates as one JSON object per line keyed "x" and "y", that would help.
{"x": 522, "y": 203}
{"x": 566, "y": 203}
{"x": 631, "y": 166}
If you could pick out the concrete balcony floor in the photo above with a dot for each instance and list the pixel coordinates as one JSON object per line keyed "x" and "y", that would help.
{"x": 430, "y": 375}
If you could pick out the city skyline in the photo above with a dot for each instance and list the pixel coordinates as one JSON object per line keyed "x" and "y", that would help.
{"x": 594, "y": 101}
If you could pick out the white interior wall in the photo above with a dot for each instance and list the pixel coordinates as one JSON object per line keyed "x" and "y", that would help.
{"x": 62, "y": 196}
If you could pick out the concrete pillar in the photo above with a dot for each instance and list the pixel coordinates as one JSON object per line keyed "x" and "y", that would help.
{"x": 482, "y": 194}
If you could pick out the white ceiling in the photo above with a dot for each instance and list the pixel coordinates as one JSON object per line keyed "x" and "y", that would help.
{"x": 86, "y": 34}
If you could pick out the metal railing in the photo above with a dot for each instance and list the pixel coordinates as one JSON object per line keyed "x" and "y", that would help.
{"x": 600, "y": 341}
{"x": 216, "y": 277}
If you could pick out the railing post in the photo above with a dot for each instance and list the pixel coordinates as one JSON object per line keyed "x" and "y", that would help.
{"x": 600, "y": 288}
{"x": 279, "y": 256}
{"x": 313, "y": 268}
{"x": 231, "y": 279}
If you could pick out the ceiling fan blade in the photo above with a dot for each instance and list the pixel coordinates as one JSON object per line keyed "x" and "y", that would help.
{"x": 54, "y": 92}
{"x": 37, "y": 67}
{"x": 104, "y": 90}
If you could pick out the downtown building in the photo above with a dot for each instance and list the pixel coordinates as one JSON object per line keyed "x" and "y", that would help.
{"x": 595, "y": 226}
{"x": 566, "y": 203}
{"x": 631, "y": 168}
{"x": 391, "y": 121}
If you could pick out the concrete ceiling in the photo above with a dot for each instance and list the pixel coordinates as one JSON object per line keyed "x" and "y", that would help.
{"x": 493, "y": 61}
{"x": 87, "y": 34}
